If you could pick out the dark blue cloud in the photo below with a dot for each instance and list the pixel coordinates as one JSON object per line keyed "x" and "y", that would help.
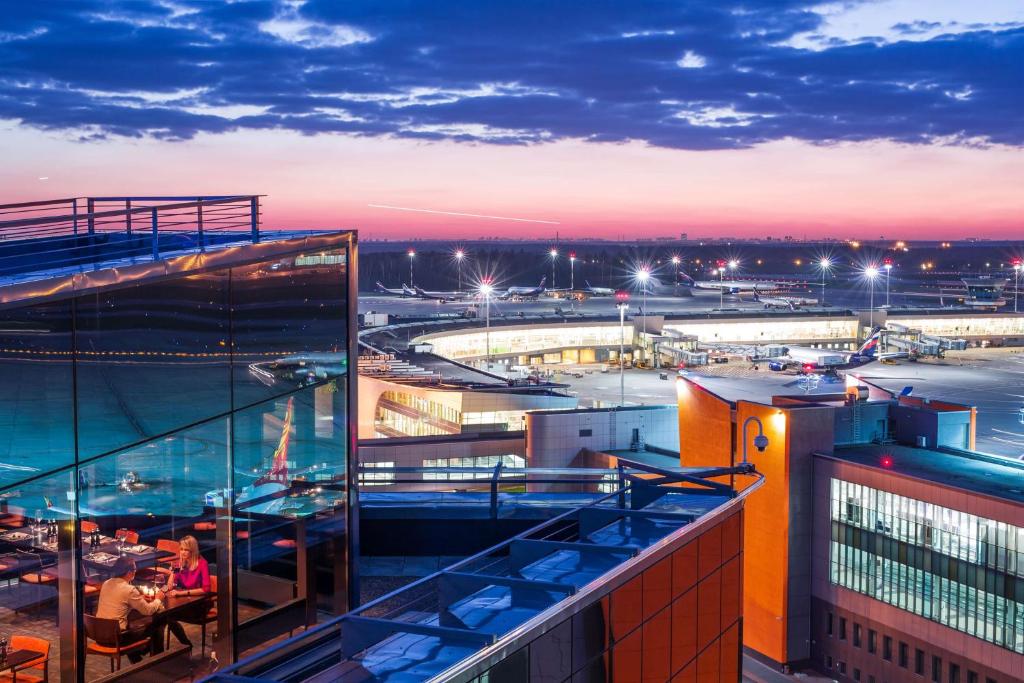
{"x": 694, "y": 75}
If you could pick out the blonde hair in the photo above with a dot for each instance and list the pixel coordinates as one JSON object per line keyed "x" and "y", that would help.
{"x": 192, "y": 545}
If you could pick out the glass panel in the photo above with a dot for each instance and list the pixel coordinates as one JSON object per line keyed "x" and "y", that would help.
{"x": 290, "y": 510}
{"x": 36, "y": 547}
{"x": 36, "y": 412}
{"x": 150, "y": 359}
{"x": 289, "y": 324}
{"x": 154, "y": 505}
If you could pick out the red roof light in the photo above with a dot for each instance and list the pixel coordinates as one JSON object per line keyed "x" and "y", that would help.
{"x": 887, "y": 461}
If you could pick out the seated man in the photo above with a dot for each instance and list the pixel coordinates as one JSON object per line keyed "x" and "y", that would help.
{"x": 119, "y": 598}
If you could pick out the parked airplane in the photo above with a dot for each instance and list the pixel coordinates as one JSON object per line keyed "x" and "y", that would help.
{"x": 443, "y": 297}
{"x": 818, "y": 360}
{"x": 738, "y": 286}
{"x": 523, "y": 292}
{"x": 788, "y": 302}
{"x": 405, "y": 291}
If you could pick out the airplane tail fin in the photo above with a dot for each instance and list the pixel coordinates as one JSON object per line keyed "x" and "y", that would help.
{"x": 687, "y": 280}
{"x": 869, "y": 349}
{"x": 543, "y": 280}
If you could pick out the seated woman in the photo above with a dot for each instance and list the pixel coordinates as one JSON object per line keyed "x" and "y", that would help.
{"x": 191, "y": 577}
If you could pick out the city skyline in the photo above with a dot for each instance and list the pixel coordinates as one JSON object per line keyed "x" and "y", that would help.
{"x": 892, "y": 118}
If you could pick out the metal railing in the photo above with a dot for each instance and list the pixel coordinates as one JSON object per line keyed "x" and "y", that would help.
{"x": 78, "y": 230}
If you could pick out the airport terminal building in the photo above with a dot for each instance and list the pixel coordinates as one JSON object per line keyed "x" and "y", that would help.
{"x": 171, "y": 369}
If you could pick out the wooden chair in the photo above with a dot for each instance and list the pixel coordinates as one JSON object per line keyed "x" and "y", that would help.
{"x": 127, "y": 536}
{"x": 166, "y": 545}
{"x": 32, "y": 671}
{"x": 109, "y": 631}
{"x": 208, "y": 618}
{"x": 88, "y": 527}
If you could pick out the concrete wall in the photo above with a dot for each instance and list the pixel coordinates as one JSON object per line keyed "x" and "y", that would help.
{"x": 945, "y": 428}
{"x": 555, "y": 438}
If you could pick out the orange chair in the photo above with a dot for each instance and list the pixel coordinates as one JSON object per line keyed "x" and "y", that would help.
{"x": 109, "y": 631}
{"x": 127, "y": 536}
{"x": 88, "y": 527}
{"x": 172, "y": 549}
{"x": 205, "y": 526}
{"x": 208, "y": 618}
{"x": 32, "y": 671}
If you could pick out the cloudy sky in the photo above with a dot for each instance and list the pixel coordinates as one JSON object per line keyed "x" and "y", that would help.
{"x": 860, "y": 118}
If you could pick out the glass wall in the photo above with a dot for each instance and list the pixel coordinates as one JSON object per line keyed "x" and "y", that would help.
{"x": 960, "y": 570}
{"x": 197, "y": 421}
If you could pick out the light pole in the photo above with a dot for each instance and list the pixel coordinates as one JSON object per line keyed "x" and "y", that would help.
{"x": 721, "y": 282}
{"x": 1017, "y": 266}
{"x": 554, "y": 257}
{"x": 871, "y": 272}
{"x": 412, "y": 257}
{"x": 760, "y": 441}
{"x": 826, "y": 265}
{"x": 675, "y": 263}
{"x": 642, "y": 276}
{"x": 887, "y": 264}
{"x": 623, "y": 304}
{"x": 572, "y": 271}
{"x": 485, "y": 289}
{"x": 459, "y": 256}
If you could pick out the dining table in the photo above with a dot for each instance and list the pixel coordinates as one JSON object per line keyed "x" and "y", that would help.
{"x": 16, "y": 659}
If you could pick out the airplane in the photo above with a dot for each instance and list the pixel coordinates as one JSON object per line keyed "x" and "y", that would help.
{"x": 582, "y": 292}
{"x": 788, "y": 302}
{"x": 301, "y": 367}
{"x": 524, "y": 292}
{"x": 405, "y": 291}
{"x": 443, "y": 297}
{"x": 656, "y": 287}
{"x": 820, "y": 360}
{"x": 738, "y": 286}
{"x": 979, "y": 293}
{"x": 591, "y": 290}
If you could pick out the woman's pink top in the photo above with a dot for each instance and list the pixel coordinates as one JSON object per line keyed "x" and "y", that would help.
{"x": 190, "y": 579}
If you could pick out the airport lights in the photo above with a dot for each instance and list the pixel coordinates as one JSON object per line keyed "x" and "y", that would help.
{"x": 887, "y": 264}
{"x": 1017, "y": 267}
{"x": 554, "y": 257}
{"x": 412, "y": 257}
{"x": 460, "y": 256}
{"x": 572, "y": 273}
{"x": 871, "y": 273}
{"x": 486, "y": 289}
{"x": 675, "y": 264}
{"x": 643, "y": 275}
{"x": 622, "y": 305}
{"x": 825, "y": 264}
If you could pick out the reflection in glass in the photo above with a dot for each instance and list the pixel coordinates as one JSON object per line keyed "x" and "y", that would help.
{"x": 36, "y": 428}
{"x": 150, "y": 359}
{"x": 289, "y": 324}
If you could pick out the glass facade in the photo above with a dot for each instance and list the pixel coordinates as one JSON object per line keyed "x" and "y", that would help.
{"x": 212, "y": 404}
{"x": 958, "y": 569}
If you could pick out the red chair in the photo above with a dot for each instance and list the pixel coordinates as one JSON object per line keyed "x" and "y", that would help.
{"x": 34, "y": 670}
{"x": 171, "y": 549}
{"x": 205, "y": 526}
{"x": 109, "y": 631}
{"x": 88, "y": 527}
{"x": 127, "y": 536}
{"x": 208, "y": 618}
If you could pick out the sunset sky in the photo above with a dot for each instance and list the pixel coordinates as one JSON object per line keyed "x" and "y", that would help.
{"x": 900, "y": 118}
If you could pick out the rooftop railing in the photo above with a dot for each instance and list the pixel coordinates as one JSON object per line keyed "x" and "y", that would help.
{"x": 77, "y": 231}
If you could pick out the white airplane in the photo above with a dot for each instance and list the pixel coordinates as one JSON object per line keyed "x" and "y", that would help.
{"x": 788, "y": 302}
{"x": 818, "y": 360}
{"x": 523, "y": 292}
{"x": 737, "y": 286}
{"x": 405, "y": 291}
{"x": 443, "y": 297}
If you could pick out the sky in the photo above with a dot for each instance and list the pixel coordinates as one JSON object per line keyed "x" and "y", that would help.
{"x": 865, "y": 118}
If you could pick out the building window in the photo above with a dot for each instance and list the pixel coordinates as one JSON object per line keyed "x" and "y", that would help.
{"x": 586, "y": 432}
{"x": 828, "y": 662}
{"x": 841, "y": 667}
{"x": 856, "y": 635}
{"x": 829, "y": 623}
{"x": 887, "y": 648}
{"x": 856, "y": 674}
{"x": 872, "y": 641}
{"x": 904, "y": 654}
{"x": 954, "y": 673}
{"x": 842, "y": 628}
{"x": 919, "y": 662}
{"x": 936, "y": 669}
{"x": 370, "y": 478}
{"x": 972, "y": 676}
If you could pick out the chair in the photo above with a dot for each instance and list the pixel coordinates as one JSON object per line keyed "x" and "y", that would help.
{"x": 166, "y": 545}
{"x": 88, "y": 527}
{"x": 32, "y": 671}
{"x": 127, "y": 536}
{"x": 205, "y": 526}
{"x": 39, "y": 575}
{"x": 109, "y": 631}
{"x": 208, "y": 618}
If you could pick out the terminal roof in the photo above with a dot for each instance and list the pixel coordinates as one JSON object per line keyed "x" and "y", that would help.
{"x": 976, "y": 472}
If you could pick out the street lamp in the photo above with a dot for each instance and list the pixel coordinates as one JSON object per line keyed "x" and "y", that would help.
{"x": 871, "y": 272}
{"x": 623, "y": 299}
{"x": 460, "y": 255}
{"x": 825, "y": 264}
{"x": 1017, "y": 267}
{"x": 675, "y": 263}
{"x": 572, "y": 273}
{"x": 887, "y": 264}
{"x": 412, "y": 256}
{"x": 554, "y": 257}
{"x": 642, "y": 276}
{"x": 721, "y": 282}
{"x": 486, "y": 288}
{"x": 760, "y": 441}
